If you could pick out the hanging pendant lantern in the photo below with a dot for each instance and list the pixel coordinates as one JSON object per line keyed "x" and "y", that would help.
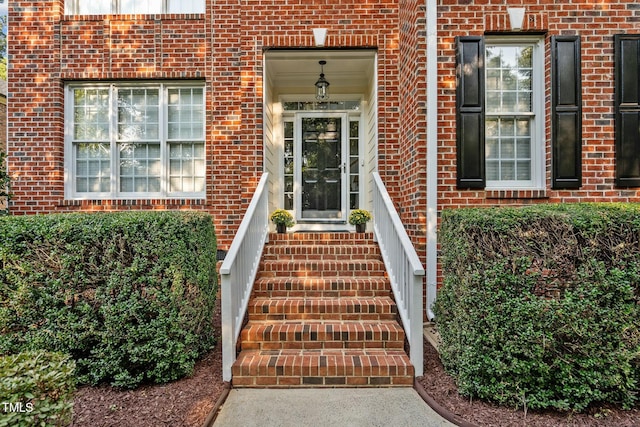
{"x": 322, "y": 85}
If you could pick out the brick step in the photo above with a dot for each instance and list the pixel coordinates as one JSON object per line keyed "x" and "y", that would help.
{"x": 321, "y": 239}
{"x": 321, "y": 315}
{"x": 313, "y": 335}
{"x": 318, "y": 368}
{"x": 279, "y": 287}
{"x": 319, "y": 268}
{"x": 375, "y": 308}
{"x": 318, "y": 252}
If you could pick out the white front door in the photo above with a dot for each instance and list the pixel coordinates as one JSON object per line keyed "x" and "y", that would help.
{"x": 320, "y": 173}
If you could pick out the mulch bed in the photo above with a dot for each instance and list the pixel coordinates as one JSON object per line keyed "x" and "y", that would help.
{"x": 187, "y": 402}
{"x": 442, "y": 388}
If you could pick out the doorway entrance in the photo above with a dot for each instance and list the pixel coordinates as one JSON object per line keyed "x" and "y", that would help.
{"x": 320, "y": 175}
{"x": 322, "y": 163}
{"x": 320, "y": 153}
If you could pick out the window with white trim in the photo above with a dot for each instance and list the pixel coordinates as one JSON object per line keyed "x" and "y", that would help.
{"x": 104, "y": 7}
{"x": 514, "y": 97}
{"x": 135, "y": 141}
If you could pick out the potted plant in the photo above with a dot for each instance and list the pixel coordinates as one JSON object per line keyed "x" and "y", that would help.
{"x": 359, "y": 218}
{"x": 282, "y": 219}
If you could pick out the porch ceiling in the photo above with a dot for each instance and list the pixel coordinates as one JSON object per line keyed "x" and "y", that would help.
{"x": 295, "y": 71}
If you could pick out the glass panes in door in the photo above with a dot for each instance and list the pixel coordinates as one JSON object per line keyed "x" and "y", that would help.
{"x": 288, "y": 165}
{"x": 321, "y": 168}
{"x": 354, "y": 164}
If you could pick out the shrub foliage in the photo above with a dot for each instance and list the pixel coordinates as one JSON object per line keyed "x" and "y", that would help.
{"x": 36, "y": 389}
{"x": 540, "y": 306}
{"x": 129, "y": 295}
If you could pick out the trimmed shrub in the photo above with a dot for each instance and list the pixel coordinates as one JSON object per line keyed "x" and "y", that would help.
{"x": 540, "y": 306}
{"x": 129, "y": 295}
{"x": 36, "y": 388}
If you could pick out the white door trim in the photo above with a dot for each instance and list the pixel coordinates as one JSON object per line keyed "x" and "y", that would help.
{"x": 298, "y": 162}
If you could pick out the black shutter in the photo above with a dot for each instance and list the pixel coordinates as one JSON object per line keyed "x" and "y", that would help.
{"x": 470, "y": 112}
{"x": 566, "y": 142}
{"x": 627, "y": 103}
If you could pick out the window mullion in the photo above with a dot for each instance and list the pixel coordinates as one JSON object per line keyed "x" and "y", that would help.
{"x": 113, "y": 140}
{"x": 164, "y": 148}
{"x": 70, "y": 144}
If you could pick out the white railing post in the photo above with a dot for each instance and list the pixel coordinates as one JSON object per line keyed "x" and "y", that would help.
{"x": 239, "y": 269}
{"x": 404, "y": 268}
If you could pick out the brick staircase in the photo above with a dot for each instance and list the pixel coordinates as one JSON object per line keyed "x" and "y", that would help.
{"x": 321, "y": 315}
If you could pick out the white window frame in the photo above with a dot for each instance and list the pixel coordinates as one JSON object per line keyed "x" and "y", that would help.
{"x": 70, "y": 162}
{"x": 72, "y": 7}
{"x": 536, "y": 116}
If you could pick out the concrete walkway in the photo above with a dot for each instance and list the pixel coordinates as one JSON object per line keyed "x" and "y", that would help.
{"x": 327, "y": 407}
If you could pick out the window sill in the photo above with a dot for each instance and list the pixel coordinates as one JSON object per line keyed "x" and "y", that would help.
{"x": 129, "y": 203}
{"x": 517, "y": 194}
{"x": 135, "y": 17}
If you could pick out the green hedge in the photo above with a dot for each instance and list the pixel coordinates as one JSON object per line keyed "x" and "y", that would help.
{"x": 129, "y": 295}
{"x": 36, "y": 389}
{"x": 540, "y": 306}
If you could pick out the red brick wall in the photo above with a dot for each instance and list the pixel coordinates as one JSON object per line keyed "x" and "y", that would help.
{"x": 596, "y": 23}
{"x": 35, "y": 112}
{"x": 49, "y": 48}
{"x": 223, "y": 47}
{"x": 412, "y": 114}
{"x": 286, "y": 24}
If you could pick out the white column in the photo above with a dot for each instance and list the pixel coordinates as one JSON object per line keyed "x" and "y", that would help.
{"x": 432, "y": 151}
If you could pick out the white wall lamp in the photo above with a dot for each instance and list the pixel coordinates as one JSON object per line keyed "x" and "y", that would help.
{"x": 516, "y": 17}
{"x": 319, "y": 36}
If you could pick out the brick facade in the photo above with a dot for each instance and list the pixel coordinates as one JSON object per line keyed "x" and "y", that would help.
{"x": 412, "y": 114}
{"x": 224, "y": 47}
{"x": 596, "y": 23}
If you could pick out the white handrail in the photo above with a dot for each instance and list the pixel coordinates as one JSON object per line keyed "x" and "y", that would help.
{"x": 404, "y": 268}
{"x": 239, "y": 269}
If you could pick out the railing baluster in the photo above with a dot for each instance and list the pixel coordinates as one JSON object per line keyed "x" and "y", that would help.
{"x": 403, "y": 266}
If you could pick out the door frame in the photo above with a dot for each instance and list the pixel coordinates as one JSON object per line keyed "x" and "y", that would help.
{"x": 297, "y": 180}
